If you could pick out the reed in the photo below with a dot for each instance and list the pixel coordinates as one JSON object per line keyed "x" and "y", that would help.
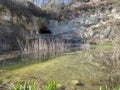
{"x": 117, "y": 87}
{"x": 26, "y": 86}
{"x": 51, "y": 85}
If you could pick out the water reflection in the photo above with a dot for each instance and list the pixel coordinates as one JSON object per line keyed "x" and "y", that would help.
{"x": 24, "y": 60}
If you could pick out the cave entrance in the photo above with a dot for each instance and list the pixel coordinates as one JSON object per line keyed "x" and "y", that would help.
{"x": 44, "y": 30}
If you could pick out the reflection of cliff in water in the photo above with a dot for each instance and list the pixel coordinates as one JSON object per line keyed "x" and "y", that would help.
{"x": 43, "y": 45}
{"x": 48, "y": 49}
{"x": 37, "y": 49}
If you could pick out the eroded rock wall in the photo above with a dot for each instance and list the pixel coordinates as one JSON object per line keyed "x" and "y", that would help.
{"x": 76, "y": 22}
{"x": 90, "y": 24}
{"x": 17, "y": 22}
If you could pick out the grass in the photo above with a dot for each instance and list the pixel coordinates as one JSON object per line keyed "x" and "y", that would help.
{"x": 25, "y": 86}
{"x": 51, "y": 85}
{"x": 106, "y": 46}
{"x": 107, "y": 88}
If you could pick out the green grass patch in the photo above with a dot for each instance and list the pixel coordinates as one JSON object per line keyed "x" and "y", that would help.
{"x": 51, "y": 85}
{"x": 104, "y": 45}
{"x": 117, "y": 87}
{"x": 26, "y": 86}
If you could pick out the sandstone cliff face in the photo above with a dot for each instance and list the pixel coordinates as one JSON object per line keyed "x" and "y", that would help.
{"x": 18, "y": 21}
{"x": 94, "y": 22}
{"x": 76, "y": 22}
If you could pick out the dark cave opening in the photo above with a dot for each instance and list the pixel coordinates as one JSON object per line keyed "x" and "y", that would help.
{"x": 44, "y": 30}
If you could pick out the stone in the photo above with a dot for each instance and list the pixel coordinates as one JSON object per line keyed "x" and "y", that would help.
{"x": 34, "y": 77}
{"x": 1, "y": 83}
{"x": 107, "y": 31}
{"x": 77, "y": 83}
{"x": 1, "y": 71}
{"x": 60, "y": 87}
{"x": 73, "y": 88}
{"x": 60, "y": 27}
